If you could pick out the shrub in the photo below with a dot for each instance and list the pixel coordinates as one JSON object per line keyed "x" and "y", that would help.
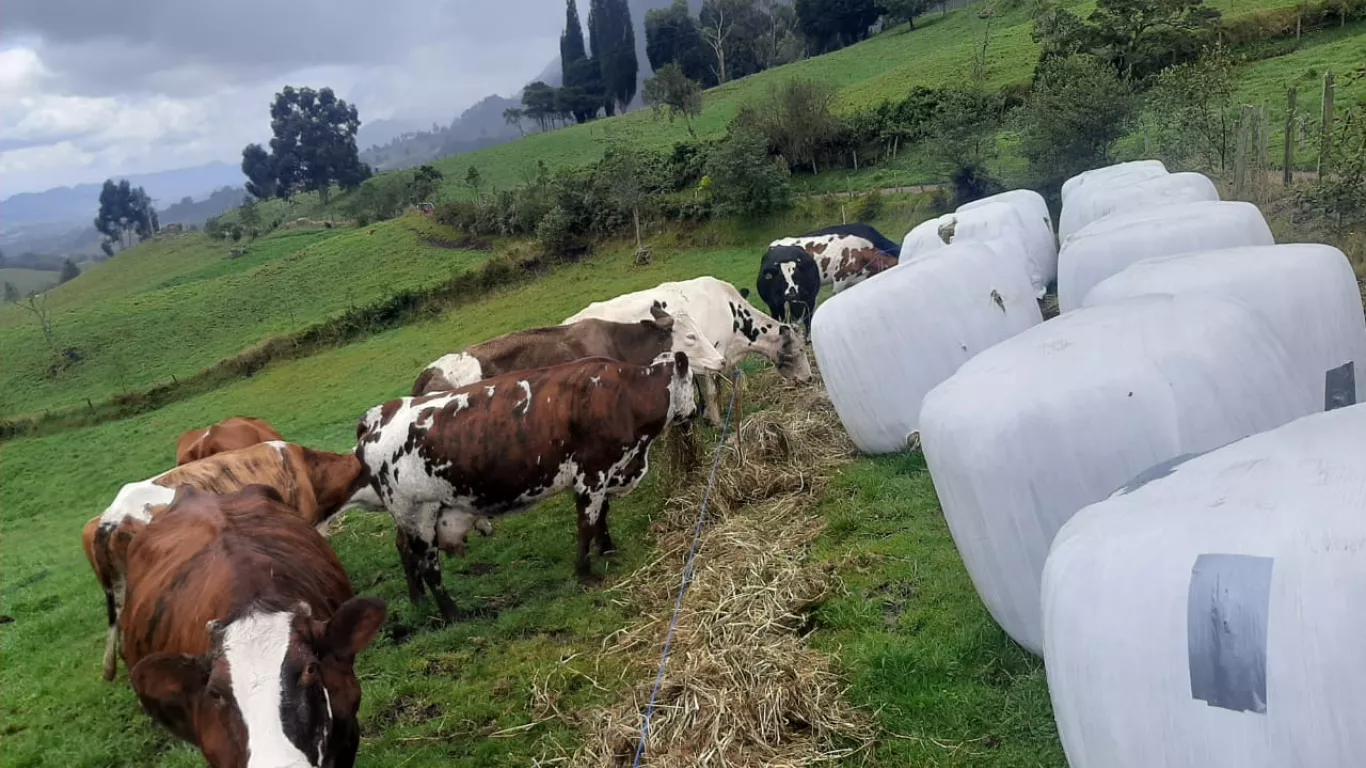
{"x": 747, "y": 182}
{"x": 557, "y": 234}
{"x": 868, "y": 206}
{"x": 1078, "y": 109}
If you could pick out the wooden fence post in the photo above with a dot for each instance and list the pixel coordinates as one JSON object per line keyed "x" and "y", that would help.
{"x": 1326, "y": 127}
{"x": 1240, "y": 155}
{"x": 1289, "y": 174}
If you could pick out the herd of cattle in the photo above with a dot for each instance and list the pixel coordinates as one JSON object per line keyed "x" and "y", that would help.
{"x": 235, "y": 618}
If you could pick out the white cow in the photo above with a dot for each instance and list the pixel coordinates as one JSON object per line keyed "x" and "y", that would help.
{"x": 731, "y": 323}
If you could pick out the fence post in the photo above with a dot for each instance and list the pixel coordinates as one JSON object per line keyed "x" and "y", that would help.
{"x": 1289, "y": 174}
{"x": 1263, "y": 145}
{"x": 1326, "y": 128}
{"x": 1240, "y": 155}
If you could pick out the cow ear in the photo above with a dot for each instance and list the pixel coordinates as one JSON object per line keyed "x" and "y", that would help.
{"x": 665, "y": 323}
{"x": 784, "y": 331}
{"x": 169, "y": 678}
{"x": 353, "y": 626}
{"x": 657, "y": 311}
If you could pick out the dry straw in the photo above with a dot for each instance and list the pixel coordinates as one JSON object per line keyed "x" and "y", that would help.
{"x": 741, "y": 688}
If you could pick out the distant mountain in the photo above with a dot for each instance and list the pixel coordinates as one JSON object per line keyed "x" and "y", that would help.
{"x": 380, "y": 132}
{"x": 81, "y": 202}
{"x": 480, "y": 126}
{"x": 189, "y": 212}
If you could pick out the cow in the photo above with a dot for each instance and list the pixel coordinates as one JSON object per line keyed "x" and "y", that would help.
{"x": 227, "y": 435}
{"x": 315, "y": 484}
{"x": 732, "y": 324}
{"x": 845, "y": 260}
{"x": 789, "y": 282}
{"x": 241, "y": 632}
{"x": 440, "y": 462}
{"x": 640, "y": 343}
{"x": 858, "y": 229}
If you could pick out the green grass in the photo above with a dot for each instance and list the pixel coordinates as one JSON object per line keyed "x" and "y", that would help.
{"x": 434, "y": 695}
{"x": 172, "y": 308}
{"x": 28, "y": 280}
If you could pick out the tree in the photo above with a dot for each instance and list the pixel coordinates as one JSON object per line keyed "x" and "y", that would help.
{"x": 1192, "y": 109}
{"x": 796, "y": 119}
{"x": 671, "y": 92}
{"x": 107, "y": 247}
{"x": 538, "y": 101}
{"x": 258, "y": 167}
{"x": 513, "y": 116}
{"x": 37, "y": 306}
{"x": 621, "y": 174}
{"x": 1078, "y": 109}
{"x": 961, "y": 137}
{"x": 1139, "y": 38}
{"x": 905, "y": 10}
{"x": 673, "y": 36}
{"x": 125, "y": 211}
{"x": 473, "y": 179}
{"x": 613, "y": 42}
{"x": 717, "y": 24}
{"x": 426, "y": 183}
{"x": 314, "y": 147}
{"x": 832, "y": 24}
{"x": 744, "y": 180}
{"x": 69, "y": 271}
{"x": 1340, "y": 196}
{"x": 581, "y": 79}
{"x": 11, "y": 293}
{"x": 250, "y": 217}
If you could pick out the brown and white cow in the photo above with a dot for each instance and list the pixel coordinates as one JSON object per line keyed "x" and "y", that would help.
{"x": 441, "y": 462}
{"x": 227, "y": 435}
{"x": 845, "y": 260}
{"x": 241, "y": 632}
{"x": 735, "y": 327}
{"x": 632, "y": 342}
{"x": 315, "y": 485}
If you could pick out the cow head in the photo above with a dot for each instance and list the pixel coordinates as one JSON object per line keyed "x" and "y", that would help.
{"x": 682, "y": 397}
{"x": 276, "y": 688}
{"x": 780, "y": 280}
{"x": 686, "y": 337}
{"x": 792, "y": 361}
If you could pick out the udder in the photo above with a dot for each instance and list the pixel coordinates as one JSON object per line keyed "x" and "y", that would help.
{"x": 453, "y": 527}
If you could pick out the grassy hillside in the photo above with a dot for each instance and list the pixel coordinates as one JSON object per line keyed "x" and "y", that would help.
{"x": 174, "y": 306}
{"x": 28, "y": 280}
{"x": 433, "y": 695}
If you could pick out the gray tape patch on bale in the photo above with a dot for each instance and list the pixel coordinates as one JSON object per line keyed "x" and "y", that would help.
{"x": 1226, "y": 629}
{"x": 1340, "y": 386}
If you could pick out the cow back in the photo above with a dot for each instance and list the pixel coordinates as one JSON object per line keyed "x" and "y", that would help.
{"x": 228, "y": 435}
{"x": 275, "y": 464}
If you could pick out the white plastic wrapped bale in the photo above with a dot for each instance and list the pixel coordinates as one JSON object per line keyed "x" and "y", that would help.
{"x": 1211, "y": 618}
{"x": 1307, "y": 291}
{"x": 1059, "y": 416}
{"x": 1037, "y": 221}
{"x": 883, "y": 346}
{"x": 993, "y": 222}
{"x": 1105, "y": 247}
{"x": 1114, "y": 175}
{"x": 1100, "y": 200}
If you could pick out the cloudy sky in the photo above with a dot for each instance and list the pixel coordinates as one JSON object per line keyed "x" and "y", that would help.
{"x": 92, "y": 88}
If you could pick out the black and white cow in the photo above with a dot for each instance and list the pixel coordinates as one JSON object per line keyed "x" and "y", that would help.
{"x": 859, "y": 229}
{"x": 789, "y": 282}
{"x": 736, "y": 327}
{"x": 844, "y": 260}
{"x": 441, "y": 463}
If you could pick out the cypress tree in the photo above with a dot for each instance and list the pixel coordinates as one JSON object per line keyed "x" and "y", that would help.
{"x": 571, "y": 44}
{"x": 613, "y": 42}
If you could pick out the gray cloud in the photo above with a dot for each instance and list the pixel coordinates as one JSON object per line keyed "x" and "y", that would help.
{"x": 93, "y": 88}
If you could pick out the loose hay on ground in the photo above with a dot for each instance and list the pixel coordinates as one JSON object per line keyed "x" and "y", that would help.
{"x": 741, "y": 687}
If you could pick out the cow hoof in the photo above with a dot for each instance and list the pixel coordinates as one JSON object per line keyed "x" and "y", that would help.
{"x": 608, "y": 550}
{"x": 109, "y": 674}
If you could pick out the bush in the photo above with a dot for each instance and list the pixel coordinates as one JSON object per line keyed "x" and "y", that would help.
{"x": 747, "y": 182}
{"x": 1078, "y": 109}
{"x": 868, "y": 206}
{"x": 557, "y": 234}
{"x": 797, "y": 121}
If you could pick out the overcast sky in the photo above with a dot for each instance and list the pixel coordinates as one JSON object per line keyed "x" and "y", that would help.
{"x": 93, "y": 88}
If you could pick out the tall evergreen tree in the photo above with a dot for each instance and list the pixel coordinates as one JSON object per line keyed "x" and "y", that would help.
{"x": 613, "y": 43}
{"x": 572, "y": 48}
{"x": 580, "y": 93}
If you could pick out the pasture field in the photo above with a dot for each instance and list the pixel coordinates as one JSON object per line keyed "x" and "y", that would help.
{"x": 29, "y": 280}
{"x": 919, "y": 650}
{"x": 178, "y": 305}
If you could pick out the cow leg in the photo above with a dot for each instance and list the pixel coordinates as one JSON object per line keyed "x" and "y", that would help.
{"x": 113, "y": 600}
{"x": 710, "y": 406}
{"x": 428, "y": 559}
{"x": 602, "y": 535}
{"x": 410, "y": 566}
{"x": 589, "y": 506}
